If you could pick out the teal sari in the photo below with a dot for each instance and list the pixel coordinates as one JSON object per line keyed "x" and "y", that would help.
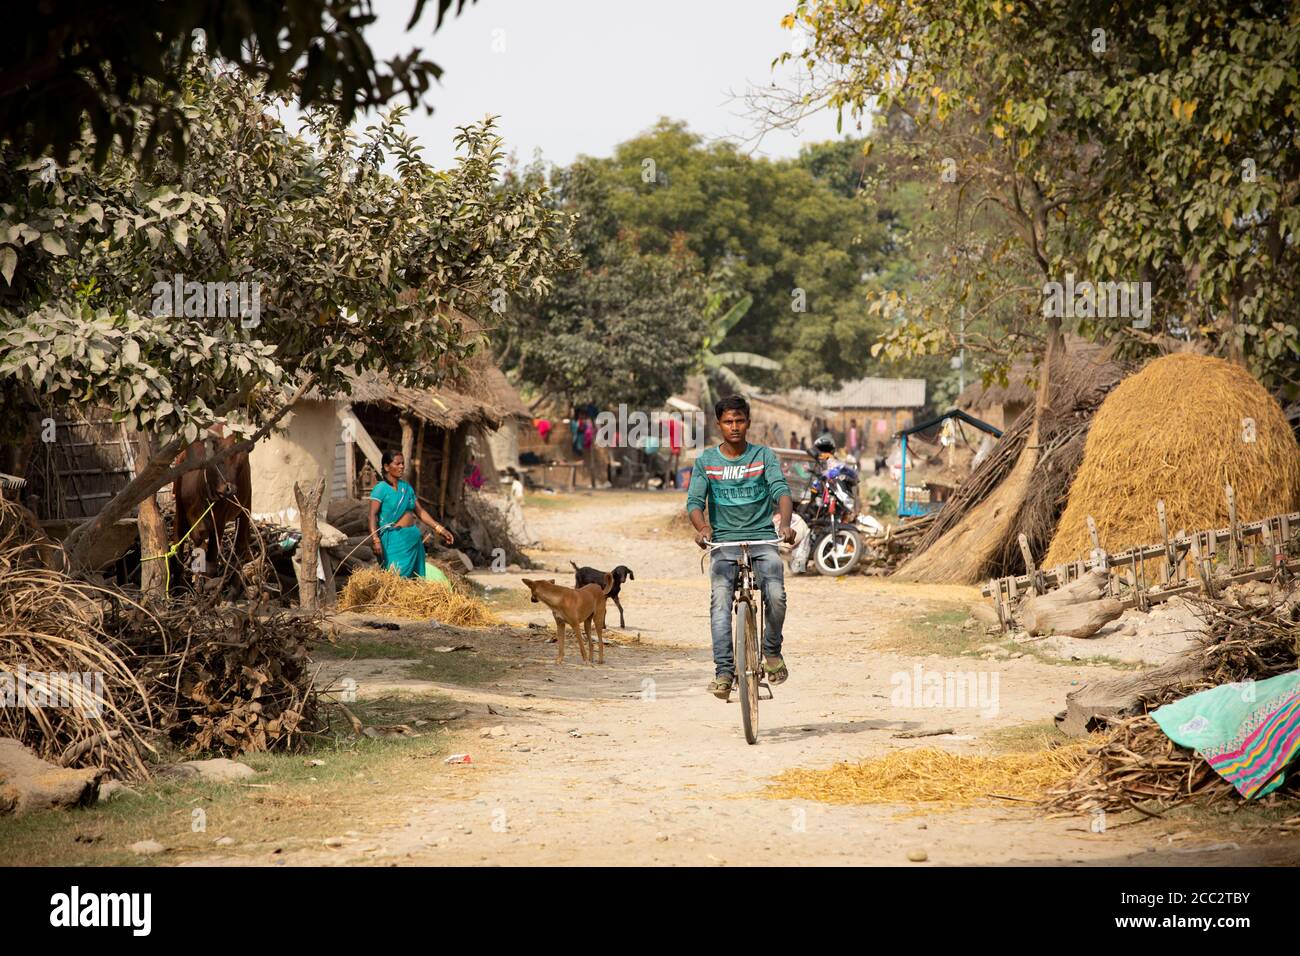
{"x": 403, "y": 547}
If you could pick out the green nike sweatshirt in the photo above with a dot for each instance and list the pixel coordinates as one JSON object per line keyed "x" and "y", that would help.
{"x": 741, "y": 492}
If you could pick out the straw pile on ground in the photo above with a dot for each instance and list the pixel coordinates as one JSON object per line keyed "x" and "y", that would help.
{"x": 372, "y": 590}
{"x": 936, "y": 777}
{"x": 1179, "y": 430}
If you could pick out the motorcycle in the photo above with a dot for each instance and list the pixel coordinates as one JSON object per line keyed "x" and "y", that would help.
{"x": 829, "y": 507}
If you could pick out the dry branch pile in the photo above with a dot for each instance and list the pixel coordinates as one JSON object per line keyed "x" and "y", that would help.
{"x": 69, "y": 692}
{"x": 225, "y": 679}
{"x": 1138, "y": 762}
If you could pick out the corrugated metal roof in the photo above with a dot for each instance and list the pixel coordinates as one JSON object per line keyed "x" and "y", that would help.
{"x": 876, "y": 393}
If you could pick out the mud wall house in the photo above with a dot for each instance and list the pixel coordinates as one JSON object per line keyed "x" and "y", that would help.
{"x": 881, "y": 407}
{"x": 504, "y": 443}
{"x": 999, "y": 405}
{"x": 773, "y": 416}
{"x": 300, "y": 450}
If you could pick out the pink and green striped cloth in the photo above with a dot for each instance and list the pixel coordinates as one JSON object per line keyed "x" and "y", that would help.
{"x": 1249, "y": 732}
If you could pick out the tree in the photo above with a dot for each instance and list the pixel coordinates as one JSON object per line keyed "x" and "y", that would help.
{"x": 772, "y": 230}
{"x": 360, "y": 271}
{"x": 113, "y": 64}
{"x": 1124, "y": 142}
{"x": 625, "y": 326}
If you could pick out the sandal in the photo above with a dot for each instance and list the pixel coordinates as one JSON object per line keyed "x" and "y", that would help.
{"x": 721, "y": 686}
{"x": 776, "y": 674}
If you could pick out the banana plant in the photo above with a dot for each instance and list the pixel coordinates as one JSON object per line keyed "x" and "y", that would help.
{"x": 718, "y": 368}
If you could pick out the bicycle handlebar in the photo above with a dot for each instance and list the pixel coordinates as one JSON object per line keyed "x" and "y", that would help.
{"x": 723, "y": 544}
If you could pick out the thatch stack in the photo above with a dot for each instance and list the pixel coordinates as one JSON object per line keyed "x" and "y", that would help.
{"x": 384, "y": 592}
{"x": 1179, "y": 430}
{"x": 1017, "y": 489}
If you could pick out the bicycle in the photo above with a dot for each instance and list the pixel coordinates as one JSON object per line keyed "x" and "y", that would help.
{"x": 746, "y": 636}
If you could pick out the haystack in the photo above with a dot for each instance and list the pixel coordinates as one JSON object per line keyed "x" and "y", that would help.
{"x": 1179, "y": 430}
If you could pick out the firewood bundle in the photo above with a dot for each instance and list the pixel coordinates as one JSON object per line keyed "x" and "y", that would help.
{"x": 229, "y": 680}
{"x": 1137, "y": 762}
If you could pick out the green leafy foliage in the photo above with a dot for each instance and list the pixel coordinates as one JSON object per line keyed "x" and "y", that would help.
{"x": 117, "y": 64}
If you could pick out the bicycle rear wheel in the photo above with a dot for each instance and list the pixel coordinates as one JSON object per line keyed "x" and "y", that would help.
{"x": 745, "y": 636}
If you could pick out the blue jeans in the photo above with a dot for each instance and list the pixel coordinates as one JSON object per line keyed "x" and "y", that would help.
{"x": 769, "y": 571}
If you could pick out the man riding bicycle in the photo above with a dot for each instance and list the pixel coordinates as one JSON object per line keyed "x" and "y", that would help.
{"x": 740, "y": 481}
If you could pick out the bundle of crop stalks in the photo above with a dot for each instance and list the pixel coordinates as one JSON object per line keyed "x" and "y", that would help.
{"x": 1137, "y": 762}
{"x": 932, "y": 776}
{"x": 959, "y": 547}
{"x": 1180, "y": 430}
{"x": 372, "y": 590}
{"x": 68, "y": 691}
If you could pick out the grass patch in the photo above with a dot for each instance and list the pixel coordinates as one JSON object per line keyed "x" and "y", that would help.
{"x": 444, "y": 667}
{"x": 295, "y": 804}
{"x": 542, "y": 500}
{"x": 940, "y": 631}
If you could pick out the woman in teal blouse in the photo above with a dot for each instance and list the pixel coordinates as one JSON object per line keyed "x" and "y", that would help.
{"x": 398, "y": 543}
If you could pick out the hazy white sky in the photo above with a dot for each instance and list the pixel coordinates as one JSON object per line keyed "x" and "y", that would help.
{"x": 578, "y": 76}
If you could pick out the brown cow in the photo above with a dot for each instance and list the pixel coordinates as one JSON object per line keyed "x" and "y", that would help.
{"x": 228, "y": 487}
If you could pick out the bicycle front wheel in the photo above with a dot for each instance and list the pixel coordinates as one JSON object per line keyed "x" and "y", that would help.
{"x": 745, "y": 636}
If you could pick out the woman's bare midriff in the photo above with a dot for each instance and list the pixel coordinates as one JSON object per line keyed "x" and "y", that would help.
{"x": 406, "y": 520}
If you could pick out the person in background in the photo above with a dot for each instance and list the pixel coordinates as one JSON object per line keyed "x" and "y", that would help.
{"x": 853, "y": 438}
{"x": 397, "y": 542}
{"x": 473, "y": 474}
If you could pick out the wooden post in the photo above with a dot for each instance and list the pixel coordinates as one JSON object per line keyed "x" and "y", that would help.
{"x": 446, "y": 461}
{"x": 408, "y": 441}
{"x": 1030, "y": 569}
{"x": 1168, "y": 571}
{"x": 309, "y": 547}
{"x": 419, "y": 459}
{"x": 327, "y": 565}
{"x": 350, "y": 466}
{"x": 1234, "y": 541}
{"x": 154, "y": 541}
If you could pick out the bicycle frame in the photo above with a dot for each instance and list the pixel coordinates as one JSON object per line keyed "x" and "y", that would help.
{"x": 745, "y": 591}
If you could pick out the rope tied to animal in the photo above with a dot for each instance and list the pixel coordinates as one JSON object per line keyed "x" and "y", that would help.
{"x": 171, "y": 552}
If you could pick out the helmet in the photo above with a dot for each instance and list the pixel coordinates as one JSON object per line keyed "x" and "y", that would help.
{"x": 825, "y": 444}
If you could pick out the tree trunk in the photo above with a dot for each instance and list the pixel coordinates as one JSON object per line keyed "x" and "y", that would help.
{"x": 309, "y": 547}
{"x": 154, "y": 542}
{"x": 159, "y": 472}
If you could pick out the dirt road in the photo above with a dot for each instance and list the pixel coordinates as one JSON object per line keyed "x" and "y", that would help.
{"x": 635, "y": 763}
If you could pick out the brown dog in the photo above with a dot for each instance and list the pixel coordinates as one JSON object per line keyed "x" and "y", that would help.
{"x": 574, "y": 607}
